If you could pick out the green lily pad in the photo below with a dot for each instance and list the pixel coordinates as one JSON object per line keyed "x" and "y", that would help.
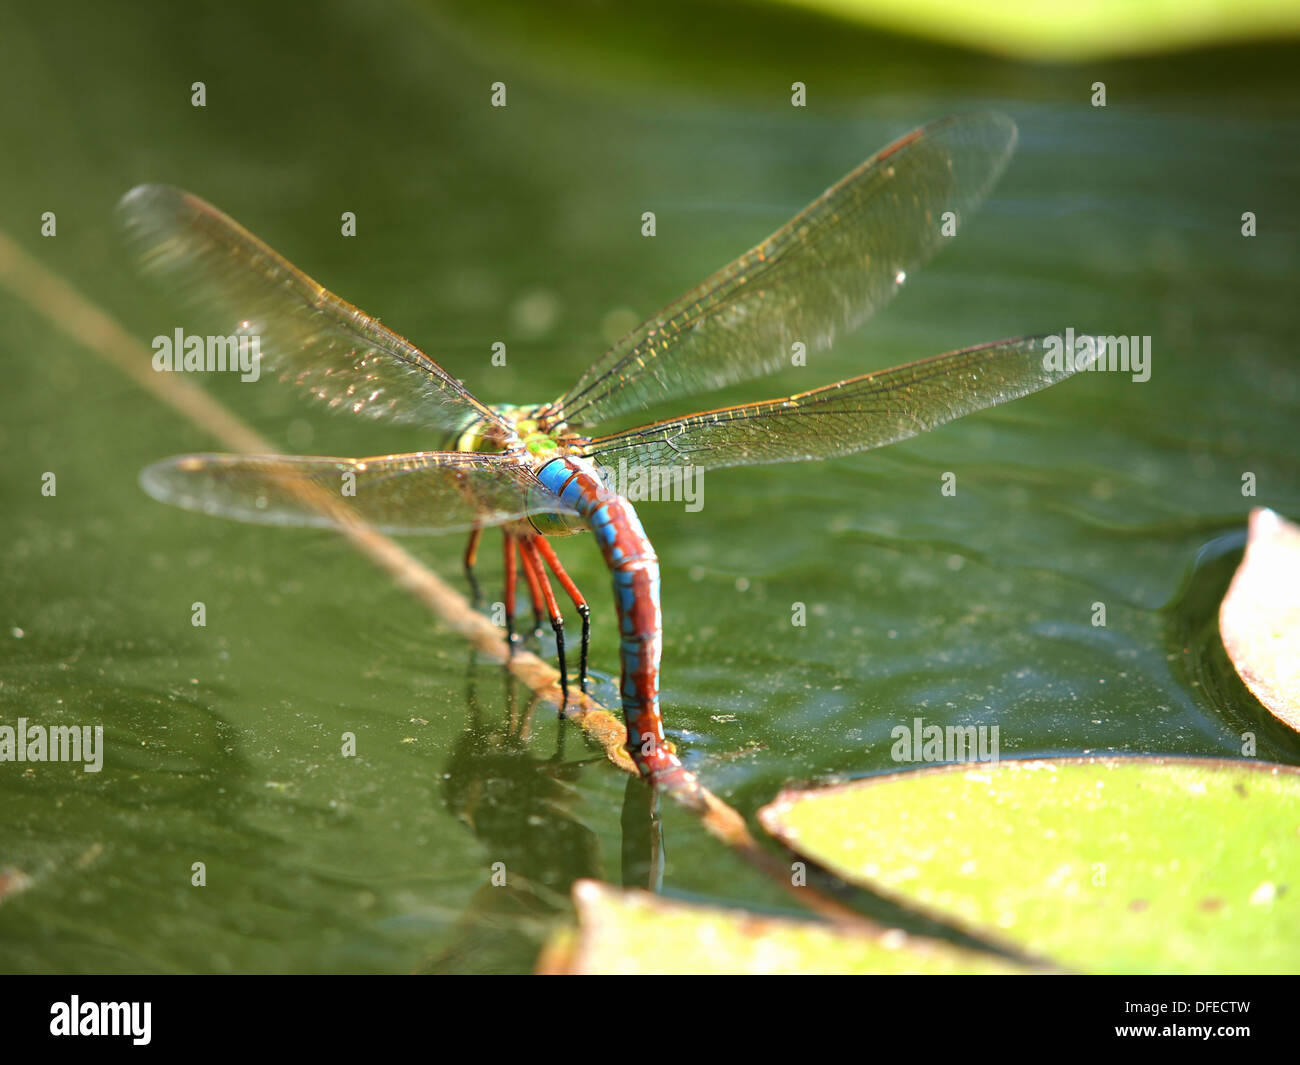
{"x": 1081, "y": 30}
{"x": 1101, "y": 864}
{"x": 635, "y": 932}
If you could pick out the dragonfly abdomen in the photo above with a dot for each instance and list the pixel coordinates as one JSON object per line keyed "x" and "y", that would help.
{"x": 635, "y": 568}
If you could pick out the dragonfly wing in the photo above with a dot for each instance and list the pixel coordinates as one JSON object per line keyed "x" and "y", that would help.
{"x": 417, "y": 493}
{"x": 825, "y": 272}
{"x": 307, "y": 335}
{"x": 839, "y": 419}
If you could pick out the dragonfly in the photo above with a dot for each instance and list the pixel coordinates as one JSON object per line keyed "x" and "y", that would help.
{"x": 540, "y": 471}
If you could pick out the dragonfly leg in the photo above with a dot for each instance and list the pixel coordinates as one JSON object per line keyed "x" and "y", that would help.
{"x": 528, "y": 551}
{"x": 579, "y": 603}
{"x": 510, "y": 589}
{"x": 531, "y": 570}
{"x": 471, "y": 557}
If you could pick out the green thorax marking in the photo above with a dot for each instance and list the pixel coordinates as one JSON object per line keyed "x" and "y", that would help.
{"x": 479, "y": 436}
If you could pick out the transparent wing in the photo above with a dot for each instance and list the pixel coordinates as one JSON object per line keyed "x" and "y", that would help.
{"x": 854, "y": 415}
{"x": 418, "y": 493}
{"x": 308, "y": 336}
{"x": 825, "y": 272}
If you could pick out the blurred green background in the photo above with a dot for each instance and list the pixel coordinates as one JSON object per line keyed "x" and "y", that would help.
{"x": 521, "y": 224}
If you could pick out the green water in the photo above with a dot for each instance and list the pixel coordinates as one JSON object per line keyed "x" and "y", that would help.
{"x": 522, "y": 224}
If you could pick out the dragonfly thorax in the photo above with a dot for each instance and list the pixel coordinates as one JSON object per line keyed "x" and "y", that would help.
{"x": 531, "y": 431}
{"x": 540, "y": 441}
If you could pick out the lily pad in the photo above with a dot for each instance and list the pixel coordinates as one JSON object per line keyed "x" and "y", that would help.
{"x": 1102, "y": 864}
{"x": 1260, "y": 616}
{"x": 1082, "y": 30}
{"x": 624, "y": 931}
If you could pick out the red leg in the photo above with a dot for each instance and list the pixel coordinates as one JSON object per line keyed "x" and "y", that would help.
{"x": 531, "y": 569}
{"x": 548, "y": 553}
{"x": 528, "y": 551}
